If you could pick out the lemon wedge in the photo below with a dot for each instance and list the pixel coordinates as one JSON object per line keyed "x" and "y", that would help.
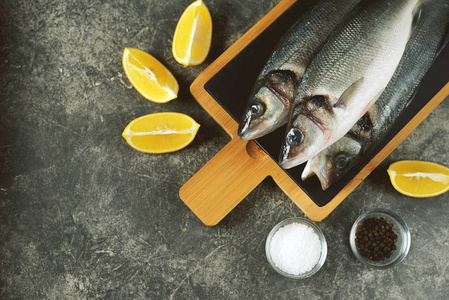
{"x": 193, "y": 35}
{"x": 419, "y": 179}
{"x": 149, "y": 76}
{"x": 161, "y": 132}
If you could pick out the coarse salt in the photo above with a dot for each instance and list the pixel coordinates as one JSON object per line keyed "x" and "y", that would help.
{"x": 295, "y": 248}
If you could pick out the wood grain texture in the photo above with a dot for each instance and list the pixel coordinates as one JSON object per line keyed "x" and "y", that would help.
{"x": 232, "y": 174}
{"x": 223, "y": 182}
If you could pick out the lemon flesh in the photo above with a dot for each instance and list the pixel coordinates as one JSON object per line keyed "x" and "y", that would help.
{"x": 193, "y": 35}
{"x": 419, "y": 179}
{"x": 161, "y": 132}
{"x": 149, "y": 76}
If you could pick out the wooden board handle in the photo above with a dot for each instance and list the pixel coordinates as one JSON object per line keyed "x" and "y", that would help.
{"x": 225, "y": 181}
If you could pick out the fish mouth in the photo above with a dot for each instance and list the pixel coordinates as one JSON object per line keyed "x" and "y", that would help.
{"x": 288, "y": 163}
{"x": 313, "y": 168}
{"x": 246, "y": 133}
{"x": 308, "y": 171}
{"x": 243, "y": 130}
{"x": 324, "y": 180}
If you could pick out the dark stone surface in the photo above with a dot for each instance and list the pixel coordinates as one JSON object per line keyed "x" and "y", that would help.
{"x": 84, "y": 216}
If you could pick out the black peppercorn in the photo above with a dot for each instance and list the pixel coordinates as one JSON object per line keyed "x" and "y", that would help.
{"x": 375, "y": 239}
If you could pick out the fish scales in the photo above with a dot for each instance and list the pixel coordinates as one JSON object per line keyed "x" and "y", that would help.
{"x": 349, "y": 73}
{"x": 355, "y": 41}
{"x": 275, "y": 88}
{"x": 421, "y": 50}
{"x": 298, "y": 47}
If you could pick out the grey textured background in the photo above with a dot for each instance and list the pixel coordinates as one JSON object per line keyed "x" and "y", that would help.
{"x": 84, "y": 216}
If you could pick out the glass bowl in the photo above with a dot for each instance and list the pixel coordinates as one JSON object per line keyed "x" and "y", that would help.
{"x": 321, "y": 237}
{"x": 400, "y": 229}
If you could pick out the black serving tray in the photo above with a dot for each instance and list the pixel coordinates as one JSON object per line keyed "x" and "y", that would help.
{"x": 231, "y": 87}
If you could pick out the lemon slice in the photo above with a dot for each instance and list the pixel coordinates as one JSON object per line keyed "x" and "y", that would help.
{"x": 161, "y": 132}
{"x": 419, "y": 179}
{"x": 193, "y": 35}
{"x": 149, "y": 76}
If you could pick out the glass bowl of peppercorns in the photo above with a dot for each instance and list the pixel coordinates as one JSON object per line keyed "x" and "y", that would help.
{"x": 380, "y": 238}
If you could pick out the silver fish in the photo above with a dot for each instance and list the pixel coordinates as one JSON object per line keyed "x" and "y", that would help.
{"x": 346, "y": 77}
{"x": 422, "y": 49}
{"x": 276, "y": 86}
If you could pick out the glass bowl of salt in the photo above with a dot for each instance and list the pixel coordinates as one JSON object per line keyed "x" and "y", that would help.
{"x": 296, "y": 248}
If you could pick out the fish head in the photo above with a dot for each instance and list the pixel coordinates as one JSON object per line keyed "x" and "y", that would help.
{"x": 334, "y": 161}
{"x": 308, "y": 132}
{"x": 302, "y": 140}
{"x": 262, "y": 116}
{"x": 269, "y": 105}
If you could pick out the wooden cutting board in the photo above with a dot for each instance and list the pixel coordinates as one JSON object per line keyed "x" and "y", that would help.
{"x": 240, "y": 166}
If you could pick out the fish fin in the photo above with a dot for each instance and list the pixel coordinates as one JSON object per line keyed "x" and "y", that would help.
{"x": 347, "y": 95}
{"x": 443, "y": 42}
{"x": 410, "y": 100}
{"x": 417, "y": 12}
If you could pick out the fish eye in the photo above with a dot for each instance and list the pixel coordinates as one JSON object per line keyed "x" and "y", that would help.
{"x": 257, "y": 109}
{"x": 342, "y": 160}
{"x": 295, "y": 137}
